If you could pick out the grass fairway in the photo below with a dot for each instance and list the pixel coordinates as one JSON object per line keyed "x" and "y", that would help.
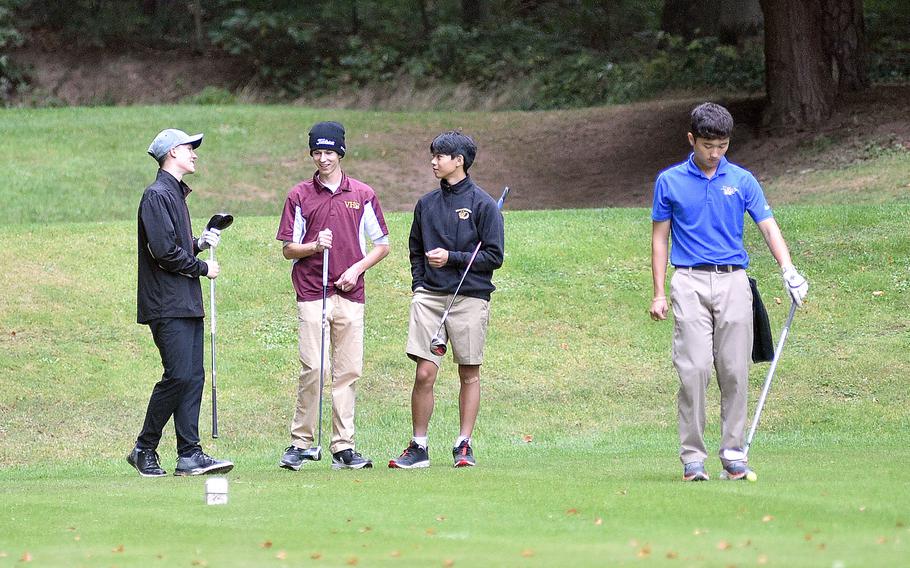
{"x": 576, "y": 440}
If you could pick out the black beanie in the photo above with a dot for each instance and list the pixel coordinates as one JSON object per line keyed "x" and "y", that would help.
{"x": 327, "y": 136}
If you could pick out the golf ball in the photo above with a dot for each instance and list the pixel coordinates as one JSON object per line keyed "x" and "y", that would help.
{"x": 751, "y": 476}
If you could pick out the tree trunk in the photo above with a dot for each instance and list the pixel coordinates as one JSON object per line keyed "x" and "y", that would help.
{"x": 845, "y": 32}
{"x": 424, "y": 17}
{"x": 471, "y": 13}
{"x": 798, "y": 79}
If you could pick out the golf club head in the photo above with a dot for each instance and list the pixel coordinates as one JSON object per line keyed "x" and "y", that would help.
{"x": 313, "y": 454}
{"x": 437, "y": 346}
{"x": 220, "y": 221}
{"x": 502, "y": 199}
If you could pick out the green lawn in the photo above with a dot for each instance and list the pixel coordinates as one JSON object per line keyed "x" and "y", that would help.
{"x": 574, "y": 365}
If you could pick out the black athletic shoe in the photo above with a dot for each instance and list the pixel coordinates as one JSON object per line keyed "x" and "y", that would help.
{"x": 463, "y": 455}
{"x": 145, "y": 462}
{"x": 292, "y": 459}
{"x": 411, "y": 458}
{"x": 349, "y": 459}
{"x": 198, "y": 463}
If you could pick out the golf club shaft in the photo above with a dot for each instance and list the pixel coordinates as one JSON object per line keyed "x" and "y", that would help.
{"x": 767, "y": 386}
{"x": 325, "y": 290}
{"x": 213, "y": 319}
{"x": 445, "y": 314}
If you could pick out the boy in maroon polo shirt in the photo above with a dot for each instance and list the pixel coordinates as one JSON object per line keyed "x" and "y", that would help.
{"x": 335, "y": 212}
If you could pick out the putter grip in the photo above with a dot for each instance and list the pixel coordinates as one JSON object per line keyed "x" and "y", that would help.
{"x": 325, "y": 267}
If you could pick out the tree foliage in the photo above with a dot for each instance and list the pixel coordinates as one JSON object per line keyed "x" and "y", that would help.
{"x": 564, "y": 52}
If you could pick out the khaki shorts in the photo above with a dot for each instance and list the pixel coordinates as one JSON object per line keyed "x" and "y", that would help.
{"x": 465, "y": 327}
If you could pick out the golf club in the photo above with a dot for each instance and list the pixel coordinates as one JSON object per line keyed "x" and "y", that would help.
{"x": 315, "y": 454}
{"x": 220, "y": 221}
{"x": 437, "y": 344}
{"x": 767, "y": 386}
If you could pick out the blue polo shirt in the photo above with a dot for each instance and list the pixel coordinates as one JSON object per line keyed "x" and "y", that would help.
{"x": 707, "y": 215}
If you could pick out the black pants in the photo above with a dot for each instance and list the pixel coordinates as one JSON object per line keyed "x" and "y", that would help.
{"x": 179, "y": 391}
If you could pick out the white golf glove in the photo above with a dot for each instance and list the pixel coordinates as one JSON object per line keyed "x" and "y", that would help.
{"x": 796, "y": 284}
{"x": 209, "y": 239}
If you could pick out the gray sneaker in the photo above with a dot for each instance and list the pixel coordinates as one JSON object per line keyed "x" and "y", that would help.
{"x": 735, "y": 470}
{"x": 198, "y": 463}
{"x": 292, "y": 458}
{"x": 695, "y": 471}
{"x": 349, "y": 459}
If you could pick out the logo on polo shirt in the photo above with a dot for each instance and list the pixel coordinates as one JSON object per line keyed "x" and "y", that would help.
{"x": 729, "y": 190}
{"x": 352, "y": 204}
{"x": 463, "y": 213}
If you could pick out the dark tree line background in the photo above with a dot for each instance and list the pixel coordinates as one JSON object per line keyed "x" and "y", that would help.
{"x": 804, "y": 54}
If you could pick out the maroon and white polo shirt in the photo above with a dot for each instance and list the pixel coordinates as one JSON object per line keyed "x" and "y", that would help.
{"x": 353, "y": 214}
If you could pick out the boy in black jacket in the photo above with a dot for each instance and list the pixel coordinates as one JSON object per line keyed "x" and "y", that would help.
{"x": 448, "y": 223}
{"x": 169, "y": 301}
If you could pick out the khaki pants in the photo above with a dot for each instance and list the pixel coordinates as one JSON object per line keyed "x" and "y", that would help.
{"x": 712, "y": 329}
{"x": 343, "y": 366}
{"x": 465, "y": 327}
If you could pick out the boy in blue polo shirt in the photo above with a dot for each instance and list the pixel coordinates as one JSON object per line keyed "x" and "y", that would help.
{"x": 702, "y": 203}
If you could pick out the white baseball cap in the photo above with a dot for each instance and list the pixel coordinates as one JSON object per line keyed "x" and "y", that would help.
{"x": 170, "y": 138}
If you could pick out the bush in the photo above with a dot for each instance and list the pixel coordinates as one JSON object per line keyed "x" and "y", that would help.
{"x": 13, "y": 77}
{"x": 589, "y": 78}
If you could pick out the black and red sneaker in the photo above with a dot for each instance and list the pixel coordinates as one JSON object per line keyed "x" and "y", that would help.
{"x": 412, "y": 457}
{"x": 464, "y": 456}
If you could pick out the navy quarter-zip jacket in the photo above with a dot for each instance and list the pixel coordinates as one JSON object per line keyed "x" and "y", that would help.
{"x": 455, "y": 218}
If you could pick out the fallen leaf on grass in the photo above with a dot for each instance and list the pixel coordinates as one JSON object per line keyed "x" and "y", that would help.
{"x": 633, "y": 543}
{"x": 878, "y": 293}
{"x": 395, "y": 554}
{"x": 822, "y": 546}
{"x": 598, "y": 521}
{"x": 431, "y": 531}
{"x": 77, "y": 538}
{"x": 26, "y": 557}
{"x": 762, "y": 559}
{"x": 672, "y": 555}
{"x": 899, "y": 524}
{"x": 441, "y": 518}
{"x": 527, "y": 438}
{"x": 527, "y": 553}
{"x": 777, "y": 301}
{"x": 71, "y": 529}
{"x": 564, "y": 346}
{"x": 316, "y": 555}
{"x": 198, "y": 562}
{"x": 808, "y": 537}
{"x": 644, "y": 551}
{"x": 572, "y": 511}
{"x": 3, "y": 554}
{"x": 723, "y": 545}
{"x": 353, "y": 561}
{"x": 118, "y": 549}
{"x": 266, "y": 544}
{"x": 699, "y": 532}
{"x": 862, "y": 509}
{"x": 366, "y": 529}
{"x": 881, "y": 540}
{"x": 767, "y": 518}
{"x": 448, "y": 563}
{"x": 281, "y": 555}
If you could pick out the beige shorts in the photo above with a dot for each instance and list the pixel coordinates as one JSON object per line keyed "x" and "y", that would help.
{"x": 465, "y": 327}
